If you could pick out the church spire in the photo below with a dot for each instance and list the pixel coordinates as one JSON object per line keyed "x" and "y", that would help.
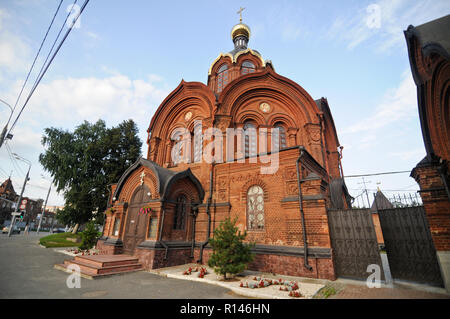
{"x": 240, "y": 33}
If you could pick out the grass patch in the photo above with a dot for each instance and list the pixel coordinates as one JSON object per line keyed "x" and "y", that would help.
{"x": 59, "y": 240}
{"x": 326, "y": 292}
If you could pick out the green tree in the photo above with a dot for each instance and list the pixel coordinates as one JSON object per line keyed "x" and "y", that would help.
{"x": 84, "y": 162}
{"x": 89, "y": 236}
{"x": 230, "y": 254}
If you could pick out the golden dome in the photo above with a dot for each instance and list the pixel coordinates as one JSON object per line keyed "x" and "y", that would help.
{"x": 240, "y": 29}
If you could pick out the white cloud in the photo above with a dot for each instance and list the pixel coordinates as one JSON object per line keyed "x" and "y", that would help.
{"x": 416, "y": 154}
{"x": 397, "y": 105}
{"x": 13, "y": 52}
{"x": 395, "y": 16}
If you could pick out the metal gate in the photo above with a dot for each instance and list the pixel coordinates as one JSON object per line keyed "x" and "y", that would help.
{"x": 354, "y": 242}
{"x": 409, "y": 246}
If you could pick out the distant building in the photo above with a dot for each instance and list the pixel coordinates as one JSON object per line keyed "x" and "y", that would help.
{"x": 380, "y": 202}
{"x": 8, "y": 198}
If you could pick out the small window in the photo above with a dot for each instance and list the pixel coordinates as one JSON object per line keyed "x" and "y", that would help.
{"x": 176, "y": 153}
{"x": 222, "y": 77}
{"x": 255, "y": 207}
{"x": 247, "y": 67}
{"x": 279, "y": 137}
{"x": 116, "y": 226}
{"x": 198, "y": 141}
{"x": 250, "y": 139}
{"x": 152, "y": 228}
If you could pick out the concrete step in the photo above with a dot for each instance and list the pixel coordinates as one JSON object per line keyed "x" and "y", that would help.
{"x": 107, "y": 260}
{"x": 86, "y": 275}
{"x": 92, "y": 269}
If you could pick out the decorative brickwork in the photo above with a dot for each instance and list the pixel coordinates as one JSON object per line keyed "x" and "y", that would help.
{"x": 230, "y": 101}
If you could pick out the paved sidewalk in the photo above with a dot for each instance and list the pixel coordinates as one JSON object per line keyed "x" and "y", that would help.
{"x": 308, "y": 287}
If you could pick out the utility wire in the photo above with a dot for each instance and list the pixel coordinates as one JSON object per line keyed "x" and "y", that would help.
{"x": 35, "y": 58}
{"x": 13, "y": 160}
{"x": 376, "y": 174}
{"x": 54, "y": 43}
{"x": 48, "y": 64}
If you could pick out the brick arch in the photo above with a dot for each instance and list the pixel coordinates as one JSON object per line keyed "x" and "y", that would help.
{"x": 438, "y": 113}
{"x": 253, "y": 181}
{"x": 134, "y": 182}
{"x": 297, "y": 102}
{"x": 187, "y": 94}
{"x": 174, "y": 115}
{"x": 185, "y": 187}
{"x": 280, "y": 117}
{"x": 223, "y": 58}
{"x": 248, "y": 56}
{"x": 191, "y": 124}
{"x": 247, "y": 115}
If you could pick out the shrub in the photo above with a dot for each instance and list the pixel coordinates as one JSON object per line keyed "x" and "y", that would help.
{"x": 89, "y": 236}
{"x": 230, "y": 255}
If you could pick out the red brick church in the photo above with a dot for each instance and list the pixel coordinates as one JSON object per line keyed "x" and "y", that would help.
{"x": 165, "y": 207}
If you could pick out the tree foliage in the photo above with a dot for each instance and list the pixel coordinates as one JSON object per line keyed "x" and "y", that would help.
{"x": 230, "y": 254}
{"x": 89, "y": 236}
{"x": 84, "y": 162}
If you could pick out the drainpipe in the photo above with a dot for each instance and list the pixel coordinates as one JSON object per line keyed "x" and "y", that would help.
{"x": 194, "y": 218}
{"x": 305, "y": 243}
{"x": 208, "y": 203}
{"x": 161, "y": 232}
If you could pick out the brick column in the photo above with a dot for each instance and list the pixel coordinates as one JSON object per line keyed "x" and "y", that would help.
{"x": 437, "y": 207}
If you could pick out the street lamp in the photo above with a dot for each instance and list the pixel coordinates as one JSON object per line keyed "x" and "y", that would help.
{"x": 21, "y": 193}
{"x": 5, "y": 129}
{"x": 43, "y": 210}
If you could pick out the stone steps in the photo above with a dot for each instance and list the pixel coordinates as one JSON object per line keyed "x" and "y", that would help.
{"x": 102, "y": 265}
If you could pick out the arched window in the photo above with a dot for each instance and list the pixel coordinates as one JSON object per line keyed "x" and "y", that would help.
{"x": 180, "y": 213}
{"x": 250, "y": 143}
{"x": 198, "y": 140}
{"x": 247, "y": 67}
{"x": 222, "y": 77}
{"x": 176, "y": 153}
{"x": 255, "y": 207}
{"x": 279, "y": 137}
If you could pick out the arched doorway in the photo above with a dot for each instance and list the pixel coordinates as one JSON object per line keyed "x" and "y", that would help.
{"x": 136, "y": 223}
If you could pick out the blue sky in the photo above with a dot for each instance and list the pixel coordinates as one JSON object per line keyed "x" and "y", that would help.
{"x": 126, "y": 56}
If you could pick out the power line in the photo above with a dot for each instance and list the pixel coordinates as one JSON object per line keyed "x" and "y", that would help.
{"x": 376, "y": 174}
{"x": 35, "y": 58}
{"x": 14, "y": 161}
{"x": 53, "y": 45}
{"x": 48, "y": 65}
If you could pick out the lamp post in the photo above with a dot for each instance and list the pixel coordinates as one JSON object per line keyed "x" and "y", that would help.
{"x": 21, "y": 193}
{"x": 5, "y": 129}
{"x": 43, "y": 210}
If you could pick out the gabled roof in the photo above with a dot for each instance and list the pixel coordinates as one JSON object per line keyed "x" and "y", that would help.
{"x": 433, "y": 35}
{"x": 7, "y": 187}
{"x": 380, "y": 202}
{"x": 165, "y": 178}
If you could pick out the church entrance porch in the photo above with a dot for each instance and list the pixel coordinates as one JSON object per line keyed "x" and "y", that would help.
{"x": 135, "y": 226}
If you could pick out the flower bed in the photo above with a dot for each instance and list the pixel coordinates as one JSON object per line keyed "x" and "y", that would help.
{"x": 201, "y": 271}
{"x": 79, "y": 252}
{"x": 259, "y": 282}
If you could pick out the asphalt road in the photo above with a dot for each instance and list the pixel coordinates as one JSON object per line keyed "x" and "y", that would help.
{"x": 26, "y": 271}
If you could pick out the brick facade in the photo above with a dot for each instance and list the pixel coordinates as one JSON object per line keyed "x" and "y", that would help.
{"x": 430, "y": 65}
{"x": 264, "y": 99}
